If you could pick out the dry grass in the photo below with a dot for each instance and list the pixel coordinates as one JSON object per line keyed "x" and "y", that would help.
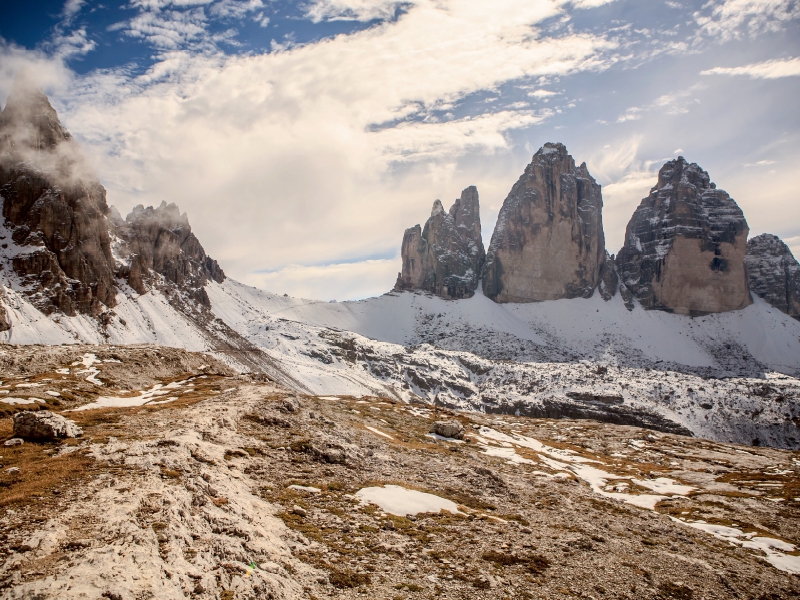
{"x": 39, "y": 472}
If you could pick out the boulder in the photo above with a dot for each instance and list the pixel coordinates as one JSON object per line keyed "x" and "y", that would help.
{"x": 44, "y": 425}
{"x": 548, "y": 242}
{"x": 774, "y": 273}
{"x": 685, "y": 246}
{"x": 446, "y": 257}
{"x": 448, "y": 429}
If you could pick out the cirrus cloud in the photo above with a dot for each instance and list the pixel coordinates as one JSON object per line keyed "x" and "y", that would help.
{"x": 768, "y": 69}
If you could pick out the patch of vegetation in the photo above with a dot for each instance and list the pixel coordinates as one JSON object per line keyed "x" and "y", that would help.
{"x": 675, "y": 590}
{"x": 344, "y": 579}
{"x": 535, "y": 563}
{"x": 411, "y": 587}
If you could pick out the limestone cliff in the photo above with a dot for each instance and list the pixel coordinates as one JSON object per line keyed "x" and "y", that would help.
{"x": 446, "y": 257}
{"x": 685, "y": 245}
{"x": 159, "y": 241}
{"x": 548, "y": 242}
{"x": 55, "y": 207}
{"x": 774, "y": 273}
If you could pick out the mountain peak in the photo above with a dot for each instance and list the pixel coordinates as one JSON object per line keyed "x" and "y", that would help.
{"x": 28, "y": 119}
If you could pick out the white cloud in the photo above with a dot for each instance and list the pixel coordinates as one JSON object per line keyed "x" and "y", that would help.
{"x": 170, "y": 30}
{"x": 160, "y": 4}
{"x": 613, "y": 162}
{"x": 727, "y": 19}
{"x": 70, "y": 45}
{"x": 72, "y": 8}
{"x": 769, "y": 69}
{"x": 235, "y": 9}
{"x": 588, "y": 3}
{"x": 542, "y": 93}
{"x": 353, "y": 10}
{"x": 674, "y": 103}
{"x": 326, "y": 150}
{"x": 345, "y": 281}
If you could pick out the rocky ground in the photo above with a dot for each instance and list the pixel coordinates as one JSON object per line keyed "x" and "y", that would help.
{"x": 223, "y": 487}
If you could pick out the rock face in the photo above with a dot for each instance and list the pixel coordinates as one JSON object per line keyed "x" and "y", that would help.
{"x": 774, "y": 273}
{"x": 609, "y": 280}
{"x": 44, "y": 425}
{"x": 446, "y": 257}
{"x": 56, "y": 212}
{"x": 160, "y": 241}
{"x": 55, "y": 206}
{"x": 548, "y": 242}
{"x": 685, "y": 245}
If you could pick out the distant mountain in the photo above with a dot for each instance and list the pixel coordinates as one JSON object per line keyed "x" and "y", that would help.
{"x": 446, "y": 257}
{"x": 548, "y": 242}
{"x": 73, "y": 270}
{"x": 685, "y": 245}
{"x": 774, "y": 273}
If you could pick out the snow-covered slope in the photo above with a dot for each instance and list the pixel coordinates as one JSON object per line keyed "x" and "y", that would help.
{"x": 751, "y": 341}
{"x": 579, "y": 358}
{"x": 729, "y": 377}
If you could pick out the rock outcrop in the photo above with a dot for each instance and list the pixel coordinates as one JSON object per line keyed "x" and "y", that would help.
{"x": 548, "y": 242}
{"x": 159, "y": 241}
{"x": 685, "y": 245}
{"x": 609, "y": 280}
{"x": 56, "y": 212}
{"x": 446, "y": 257}
{"x": 55, "y": 207}
{"x": 44, "y": 425}
{"x": 774, "y": 273}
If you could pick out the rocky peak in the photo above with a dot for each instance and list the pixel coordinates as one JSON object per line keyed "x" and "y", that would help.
{"x": 548, "y": 242}
{"x": 685, "y": 245}
{"x": 28, "y": 120}
{"x": 446, "y": 257}
{"x": 160, "y": 241}
{"x": 54, "y": 206}
{"x": 467, "y": 219}
{"x": 774, "y": 273}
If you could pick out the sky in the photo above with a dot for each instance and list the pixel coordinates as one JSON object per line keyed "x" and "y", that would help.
{"x": 303, "y": 138}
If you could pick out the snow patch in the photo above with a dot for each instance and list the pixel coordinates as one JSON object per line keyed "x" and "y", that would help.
{"x": 397, "y": 500}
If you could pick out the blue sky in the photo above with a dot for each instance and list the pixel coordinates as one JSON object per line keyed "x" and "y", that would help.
{"x": 303, "y": 138}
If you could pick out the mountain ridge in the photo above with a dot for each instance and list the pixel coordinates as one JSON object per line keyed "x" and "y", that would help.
{"x": 594, "y": 355}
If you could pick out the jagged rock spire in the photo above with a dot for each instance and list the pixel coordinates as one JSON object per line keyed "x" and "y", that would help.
{"x": 55, "y": 205}
{"x": 446, "y": 257}
{"x": 548, "y": 242}
{"x": 685, "y": 245}
{"x": 774, "y": 273}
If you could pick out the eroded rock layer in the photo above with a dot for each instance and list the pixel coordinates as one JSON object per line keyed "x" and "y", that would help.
{"x": 548, "y": 242}
{"x": 774, "y": 273}
{"x": 55, "y": 206}
{"x": 446, "y": 257}
{"x": 685, "y": 246}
